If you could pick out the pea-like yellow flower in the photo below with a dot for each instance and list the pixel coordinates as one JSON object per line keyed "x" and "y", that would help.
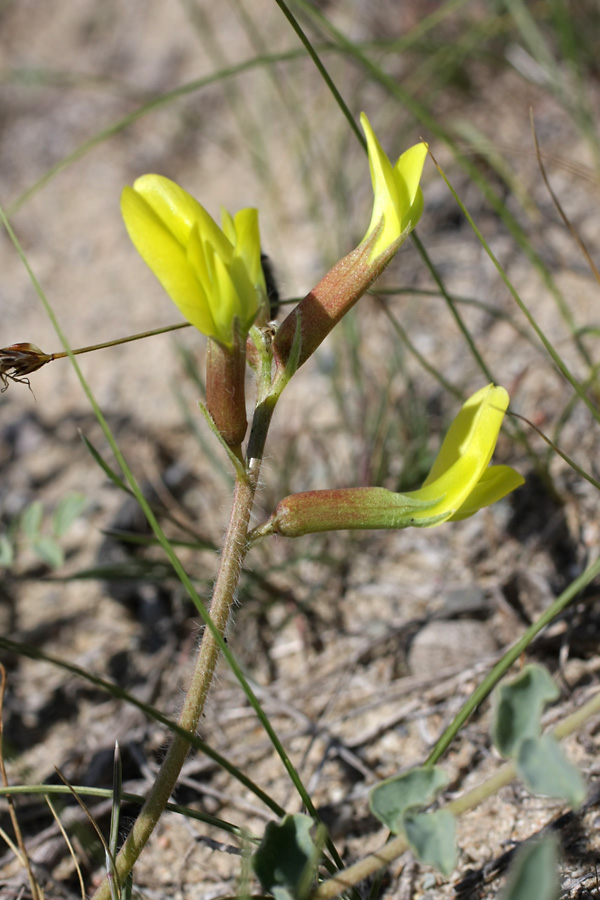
{"x": 460, "y": 483}
{"x": 398, "y": 199}
{"x": 397, "y": 207}
{"x": 213, "y": 275}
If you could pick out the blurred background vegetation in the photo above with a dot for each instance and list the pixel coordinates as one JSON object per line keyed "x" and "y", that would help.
{"x": 224, "y": 99}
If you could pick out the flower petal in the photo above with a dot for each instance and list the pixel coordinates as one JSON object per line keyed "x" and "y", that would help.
{"x": 173, "y": 206}
{"x": 466, "y": 450}
{"x": 407, "y": 172}
{"x": 214, "y": 276}
{"x": 229, "y": 306}
{"x": 166, "y": 257}
{"x": 398, "y": 200}
{"x": 495, "y": 483}
{"x": 247, "y": 244}
{"x": 385, "y": 194}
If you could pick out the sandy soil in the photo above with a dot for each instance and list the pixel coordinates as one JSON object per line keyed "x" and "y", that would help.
{"x": 362, "y": 649}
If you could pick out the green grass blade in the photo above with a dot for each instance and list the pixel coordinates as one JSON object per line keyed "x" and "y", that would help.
{"x": 510, "y": 657}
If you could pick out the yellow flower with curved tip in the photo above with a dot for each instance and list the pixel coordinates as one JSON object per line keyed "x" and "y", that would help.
{"x": 397, "y": 207}
{"x": 398, "y": 199}
{"x": 460, "y": 483}
{"x": 213, "y": 275}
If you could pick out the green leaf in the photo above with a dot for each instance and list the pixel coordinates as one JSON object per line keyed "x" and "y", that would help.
{"x": 127, "y": 888}
{"x": 67, "y": 510}
{"x": 116, "y": 479}
{"x": 392, "y": 799}
{"x": 545, "y": 769}
{"x": 286, "y": 861}
{"x": 534, "y": 872}
{"x": 7, "y": 553}
{"x": 519, "y": 706}
{"x": 48, "y": 550}
{"x": 31, "y": 519}
{"x": 432, "y": 836}
{"x": 132, "y": 570}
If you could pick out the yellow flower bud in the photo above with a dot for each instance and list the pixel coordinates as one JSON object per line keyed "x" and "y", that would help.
{"x": 397, "y": 207}
{"x": 213, "y": 275}
{"x": 398, "y": 199}
{"x": 460, "y": 481}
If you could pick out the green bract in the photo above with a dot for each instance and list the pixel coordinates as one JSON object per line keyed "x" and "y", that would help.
{"x": 213, "y": 275}
{"x": 398, "y": 199}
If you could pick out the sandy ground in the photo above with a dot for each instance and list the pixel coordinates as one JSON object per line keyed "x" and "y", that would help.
{"x": 362, "y": 649}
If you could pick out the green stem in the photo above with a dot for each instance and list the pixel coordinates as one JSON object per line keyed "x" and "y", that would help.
{"x": 125, "y": 340}
{"x": 232, "y": 558}
{"x": 235, "y": 548}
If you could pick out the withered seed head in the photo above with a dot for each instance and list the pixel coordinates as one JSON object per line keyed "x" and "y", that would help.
{"x": 18, "y": 361}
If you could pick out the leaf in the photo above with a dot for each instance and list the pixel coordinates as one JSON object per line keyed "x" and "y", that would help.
{"x": 287, "y": 859}
{"x": 131, "y": 570}
{"x": 67, "y": 510}
{"x": 31, "y": 519}
{"x": 48, "y": 550}
{"x": 545, "y": 769}
{"x": 432, "y": 836}
{"x": 392, "y": 799}
{"x": 7, "y": 553}
{"x": 116, "y": 479}
{"x": 519, "y": 706}
{"x": 534, "y": 872}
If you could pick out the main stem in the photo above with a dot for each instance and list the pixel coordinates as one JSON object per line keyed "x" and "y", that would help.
{"x": 232, "y": 558}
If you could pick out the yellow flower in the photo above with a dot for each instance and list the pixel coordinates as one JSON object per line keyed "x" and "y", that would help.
{"x": 398, "y": 199}
{"x": 397, "y": 207}
{"x": 213, "y": 275}
{"x": 459, "y": 483}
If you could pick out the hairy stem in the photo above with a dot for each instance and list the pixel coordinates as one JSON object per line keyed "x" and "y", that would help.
{"x": 232, "y": 557}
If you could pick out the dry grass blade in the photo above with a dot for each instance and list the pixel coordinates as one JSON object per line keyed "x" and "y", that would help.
{"x": 36, "y": 891}
{"x": 69, "y": 845}
{"x": 575, "y": 234}
{"x": 94, "y": 825}
{"x": 568, "y": 459}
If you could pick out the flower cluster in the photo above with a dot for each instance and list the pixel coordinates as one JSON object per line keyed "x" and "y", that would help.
{"x": 215, "y": 277}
